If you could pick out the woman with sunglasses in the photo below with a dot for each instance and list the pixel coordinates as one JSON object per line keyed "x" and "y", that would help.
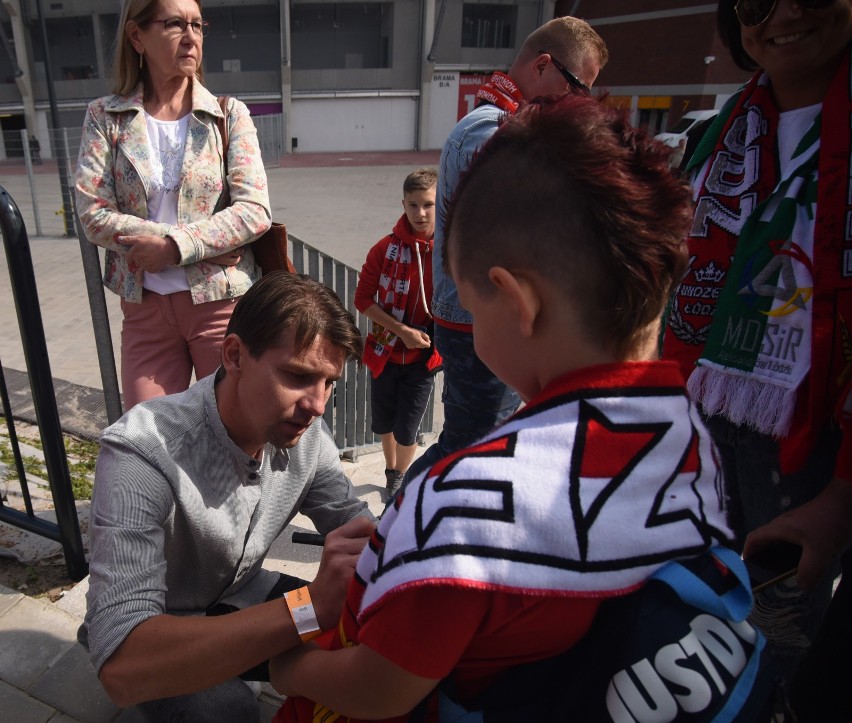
{"x": 762, "y": 322}
{"x": 151, "y": 189}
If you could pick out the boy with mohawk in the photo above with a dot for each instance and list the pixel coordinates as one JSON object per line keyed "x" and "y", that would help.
{"x": 529, "y": 574}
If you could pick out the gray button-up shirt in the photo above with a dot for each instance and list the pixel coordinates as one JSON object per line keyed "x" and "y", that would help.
{"x": 182, "y": 518}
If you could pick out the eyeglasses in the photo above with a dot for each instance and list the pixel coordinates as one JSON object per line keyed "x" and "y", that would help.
{"x": 752, "y": 13}
{"x": 572, "y": 79}
{"x": 178, "y": 26}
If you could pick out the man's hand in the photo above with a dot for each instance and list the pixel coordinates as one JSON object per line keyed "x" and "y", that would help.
{"x": 340, "y": 554}
{"x": 150, "y": 253}
{"x": 823, "y": 528}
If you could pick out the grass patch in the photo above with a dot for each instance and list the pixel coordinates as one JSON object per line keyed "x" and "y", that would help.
{"x": 81, "y": 456}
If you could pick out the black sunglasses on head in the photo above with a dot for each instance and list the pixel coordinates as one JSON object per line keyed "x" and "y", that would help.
{"x": 752, "y": 13}
{"x": 572, "y": 79}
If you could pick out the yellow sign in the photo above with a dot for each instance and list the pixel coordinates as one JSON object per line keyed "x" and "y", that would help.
{"x": 644, "y": 102}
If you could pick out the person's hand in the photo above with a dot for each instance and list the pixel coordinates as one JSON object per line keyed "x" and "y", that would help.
{"x": 822, "y": 527}
{"x": 229, "y": 258}
{"x": 339, "y": 556}
{"x": 150, "y": 253}
{"x": 414, "y": 338}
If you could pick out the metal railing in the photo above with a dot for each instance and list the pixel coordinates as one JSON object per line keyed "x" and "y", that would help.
{"x": 66, "y": 529}
{"x": 21, "y": 154}
{"x": 348, "y": 412}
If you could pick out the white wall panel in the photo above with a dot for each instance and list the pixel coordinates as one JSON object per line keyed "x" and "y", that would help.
{"x": 354, "y": 124}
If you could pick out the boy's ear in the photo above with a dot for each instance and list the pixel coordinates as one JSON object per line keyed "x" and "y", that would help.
{"x": 522, "y": 294}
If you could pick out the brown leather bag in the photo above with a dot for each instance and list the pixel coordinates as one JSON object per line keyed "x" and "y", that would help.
{"x": 270, "y": 249}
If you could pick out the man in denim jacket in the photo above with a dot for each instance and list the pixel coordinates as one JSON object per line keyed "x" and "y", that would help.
{"x": 563, "y": 56}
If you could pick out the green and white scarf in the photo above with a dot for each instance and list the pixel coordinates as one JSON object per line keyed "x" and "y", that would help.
{"x": 764, "y": 294}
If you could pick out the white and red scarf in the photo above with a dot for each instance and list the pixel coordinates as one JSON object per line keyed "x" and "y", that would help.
{"x": 592, "y": 487}
{"x": 393, "y": 293}
{"x": 502, "y": 91}
{"x": 771, "y": 268}
{"x": 589, "y": 489}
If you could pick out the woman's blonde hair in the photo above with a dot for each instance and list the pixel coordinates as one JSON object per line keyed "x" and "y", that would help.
{"x": 126, "y": 72}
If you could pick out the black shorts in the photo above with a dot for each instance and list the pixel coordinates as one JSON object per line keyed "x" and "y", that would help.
{"x": 398, "y": 400}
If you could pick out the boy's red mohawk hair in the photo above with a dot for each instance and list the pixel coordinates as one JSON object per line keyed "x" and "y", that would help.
{"x": 567, "y": 188}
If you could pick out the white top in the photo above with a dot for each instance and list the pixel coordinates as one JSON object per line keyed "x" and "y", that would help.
{"x": 166, "y": 141}
{"x": 792, "y": 126}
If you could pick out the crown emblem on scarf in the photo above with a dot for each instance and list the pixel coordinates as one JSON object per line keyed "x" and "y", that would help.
{"x": 711, "y": 272}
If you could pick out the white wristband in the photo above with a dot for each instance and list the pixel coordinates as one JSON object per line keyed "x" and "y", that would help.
{"x": 303, "y": 613}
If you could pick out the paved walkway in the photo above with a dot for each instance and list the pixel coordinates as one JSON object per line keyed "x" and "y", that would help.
{"x": 45, "y": 675}
{"x": 339, "y": 203}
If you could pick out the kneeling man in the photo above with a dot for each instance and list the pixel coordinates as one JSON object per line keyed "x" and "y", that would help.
{"x": 190, "y": 492}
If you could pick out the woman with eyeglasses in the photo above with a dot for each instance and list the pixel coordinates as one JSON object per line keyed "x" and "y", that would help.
{"x": 151, "y": 189}
{"x": 762, "y": 322}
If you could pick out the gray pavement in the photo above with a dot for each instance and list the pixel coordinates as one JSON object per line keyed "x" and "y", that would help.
{"x": 328, "y": 202}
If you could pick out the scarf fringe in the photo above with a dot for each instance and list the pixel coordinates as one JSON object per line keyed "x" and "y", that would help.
{"x": 765, "y": 408}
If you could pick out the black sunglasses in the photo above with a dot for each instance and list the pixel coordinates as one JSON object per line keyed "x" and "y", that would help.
{"x": 572, "y": 79}
{"x": 752, "y": 13}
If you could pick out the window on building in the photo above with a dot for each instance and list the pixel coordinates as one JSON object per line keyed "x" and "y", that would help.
{"x": 489, "y": 26}
{"x": 341, "y": 35}
{"x": 72, "y": 49}
{"x": 242, "y": 38}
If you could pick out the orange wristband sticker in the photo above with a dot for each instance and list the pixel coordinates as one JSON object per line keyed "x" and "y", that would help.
{"x": 303, "y": 613}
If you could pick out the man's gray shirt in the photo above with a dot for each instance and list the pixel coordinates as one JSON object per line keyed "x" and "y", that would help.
{"x": 182, "y": 518}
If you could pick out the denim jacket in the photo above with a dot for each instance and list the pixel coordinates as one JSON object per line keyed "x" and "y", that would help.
{"x": 470, "y": 133}
{"x": 113, "y": 169}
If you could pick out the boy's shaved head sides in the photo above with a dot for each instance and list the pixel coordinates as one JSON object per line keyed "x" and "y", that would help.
{"x": 566, "y": 189}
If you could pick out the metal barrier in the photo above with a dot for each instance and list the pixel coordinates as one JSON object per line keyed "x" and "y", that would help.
{"x": 270, "y": 138}
{"x": 348, "y": 411}
{"x": 46, "y": 211}
{"x": 66, "y": 529}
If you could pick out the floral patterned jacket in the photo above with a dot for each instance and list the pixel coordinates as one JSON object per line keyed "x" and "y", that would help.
{"x": 113, "y": 169}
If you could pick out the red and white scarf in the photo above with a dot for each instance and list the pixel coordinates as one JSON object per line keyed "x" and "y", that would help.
{"x": 502, "y": 91}
{"x": 394, "y": 289}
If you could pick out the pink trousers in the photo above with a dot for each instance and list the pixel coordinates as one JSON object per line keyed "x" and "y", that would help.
{"x": 164, "y": 338}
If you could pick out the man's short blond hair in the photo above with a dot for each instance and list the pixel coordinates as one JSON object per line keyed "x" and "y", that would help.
{"x": 571, "y": 40}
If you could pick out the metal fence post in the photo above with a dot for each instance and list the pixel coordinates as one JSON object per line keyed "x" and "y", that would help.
{"x": 29, "y": 162}
{"x": 100, "y": 323}
{"x": 25, "y": 294}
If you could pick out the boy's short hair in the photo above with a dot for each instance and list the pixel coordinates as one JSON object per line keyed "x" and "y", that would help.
{"x": 566, "y": 188}
{"x": 281, "y": 301}
{"x": 420, "y": 180}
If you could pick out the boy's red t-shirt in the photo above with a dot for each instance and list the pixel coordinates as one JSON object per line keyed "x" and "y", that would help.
{"x": 490, "y": 632}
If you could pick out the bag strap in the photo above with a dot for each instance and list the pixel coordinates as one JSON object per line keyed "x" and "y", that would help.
{"x": 222, "y": 123}
{"x": 731, "y": 605}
